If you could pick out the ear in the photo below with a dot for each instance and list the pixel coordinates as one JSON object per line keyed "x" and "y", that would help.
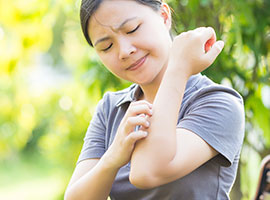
{"x": 165, "y": 12}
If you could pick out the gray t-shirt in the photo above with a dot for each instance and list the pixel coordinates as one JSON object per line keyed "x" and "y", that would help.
{"x": 212, "y": 111}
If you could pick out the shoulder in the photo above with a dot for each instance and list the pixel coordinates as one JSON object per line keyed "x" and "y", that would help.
{"x": 215, "y": 113}
{"x": 206, "y": 90}
{"x": 206, "y": 96}
{"x": 217, "y": 106}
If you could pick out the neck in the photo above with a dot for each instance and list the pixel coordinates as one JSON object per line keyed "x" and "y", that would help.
{"x": 150, "y": 90}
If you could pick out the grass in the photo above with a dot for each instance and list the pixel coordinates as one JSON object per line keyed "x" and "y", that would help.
{"x": 31, "y": 177}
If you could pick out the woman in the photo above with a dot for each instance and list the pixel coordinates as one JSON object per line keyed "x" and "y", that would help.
{"x": 188, "y": 130}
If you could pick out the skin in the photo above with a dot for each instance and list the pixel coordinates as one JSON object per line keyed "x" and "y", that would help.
{"x": 128, "y": 47}
{"x": 165, "y": 67}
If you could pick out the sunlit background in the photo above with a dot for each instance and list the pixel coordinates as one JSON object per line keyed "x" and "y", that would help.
{"x": 51, "y": 81}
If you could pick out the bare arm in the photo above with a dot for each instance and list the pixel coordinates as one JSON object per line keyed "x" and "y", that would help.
{"x": 179, "y": 153}
{"x": 92, "y": 179}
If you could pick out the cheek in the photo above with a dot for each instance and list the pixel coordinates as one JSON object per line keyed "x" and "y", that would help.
{"x": 159, "y": 48}
{"x": 108, "y": 61}
{"x": 156, "y": 40}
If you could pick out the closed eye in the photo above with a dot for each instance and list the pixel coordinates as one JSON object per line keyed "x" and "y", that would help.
{"x": 133, "y": 30}
{"x": 106, "y": 49}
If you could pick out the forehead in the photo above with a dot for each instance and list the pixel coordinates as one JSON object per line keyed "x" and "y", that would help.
{"x": 111, "y": 13}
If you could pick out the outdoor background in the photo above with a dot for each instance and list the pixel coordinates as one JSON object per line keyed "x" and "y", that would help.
{"x": 51, "y": 81}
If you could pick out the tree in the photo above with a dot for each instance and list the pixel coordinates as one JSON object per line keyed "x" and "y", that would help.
{"x": 51, "y": 81}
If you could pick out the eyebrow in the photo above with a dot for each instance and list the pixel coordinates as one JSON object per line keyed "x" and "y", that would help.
{"x": 119, "y": 27}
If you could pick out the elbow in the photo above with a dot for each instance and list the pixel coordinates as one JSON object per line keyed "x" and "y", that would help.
{"x": 143, "y": 180}
{"x": 149, "y": 177}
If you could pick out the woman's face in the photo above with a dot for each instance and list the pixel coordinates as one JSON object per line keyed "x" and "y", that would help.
{"x": 131, "y": 39}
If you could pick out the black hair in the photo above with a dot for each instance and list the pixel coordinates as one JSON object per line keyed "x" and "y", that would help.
{"x": 88, "y": 7}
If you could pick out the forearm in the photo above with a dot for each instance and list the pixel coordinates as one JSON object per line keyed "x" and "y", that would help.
{"x": 94, "y": 185}
{"x": 156, "y": 151}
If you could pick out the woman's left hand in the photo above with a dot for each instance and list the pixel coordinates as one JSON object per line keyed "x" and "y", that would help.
{"x": 195, "y": 50}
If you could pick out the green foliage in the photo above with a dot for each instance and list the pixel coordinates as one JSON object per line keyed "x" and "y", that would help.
{"x": 51, "y": 81}
{"x": 244, "y": 64}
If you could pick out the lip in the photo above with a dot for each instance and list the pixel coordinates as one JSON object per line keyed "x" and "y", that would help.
{"x": 137, "y": 64}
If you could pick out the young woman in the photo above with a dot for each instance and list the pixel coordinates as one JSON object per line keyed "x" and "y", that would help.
{"x": 173, "y": 134}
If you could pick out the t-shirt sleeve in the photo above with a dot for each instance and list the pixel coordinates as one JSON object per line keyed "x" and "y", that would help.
{"x": 217, "y": 116}
{"x": 94, "y": 140}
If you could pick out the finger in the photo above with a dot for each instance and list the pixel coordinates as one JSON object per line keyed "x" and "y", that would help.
{"x": 142, "y": 115}
{"x": 132, "y": 122}
{"x": 137, "y": 109}
{"x": 208, "y": 45}
{"x": 142, "y": 102}
{"x": 208, "y": 34}
{"x": 211, "y": 55}
{"x": 135, "y": 136}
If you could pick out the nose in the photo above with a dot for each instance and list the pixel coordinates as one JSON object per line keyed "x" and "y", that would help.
{"x": 126, "y": 48}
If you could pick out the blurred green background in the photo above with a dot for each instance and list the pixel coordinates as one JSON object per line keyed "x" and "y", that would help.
{"x": 51, "y": 81}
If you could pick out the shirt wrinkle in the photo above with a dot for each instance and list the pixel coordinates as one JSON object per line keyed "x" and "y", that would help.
{"x": 206, "y": 121}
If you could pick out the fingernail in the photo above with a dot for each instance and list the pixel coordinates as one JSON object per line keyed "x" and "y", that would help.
{"x": 147, "y": 124}
{"x": 145, "y": 133}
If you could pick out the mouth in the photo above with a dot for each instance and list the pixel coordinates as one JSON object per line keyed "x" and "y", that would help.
{"x": 137, "y": 64}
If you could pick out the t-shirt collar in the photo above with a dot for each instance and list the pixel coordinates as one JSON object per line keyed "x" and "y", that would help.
{"x": 132, "y": 95}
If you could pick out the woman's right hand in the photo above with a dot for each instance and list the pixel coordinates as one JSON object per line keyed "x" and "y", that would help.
{"x": 119, "y": 153}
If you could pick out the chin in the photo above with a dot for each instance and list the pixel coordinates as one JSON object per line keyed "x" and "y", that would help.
{"x": 149, "y": 76}
{"x": 145, "y": 80}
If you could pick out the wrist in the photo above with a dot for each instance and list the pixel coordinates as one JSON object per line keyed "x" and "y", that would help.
{"x": 108, "y": 162}
{"x": 178, "y": 71}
